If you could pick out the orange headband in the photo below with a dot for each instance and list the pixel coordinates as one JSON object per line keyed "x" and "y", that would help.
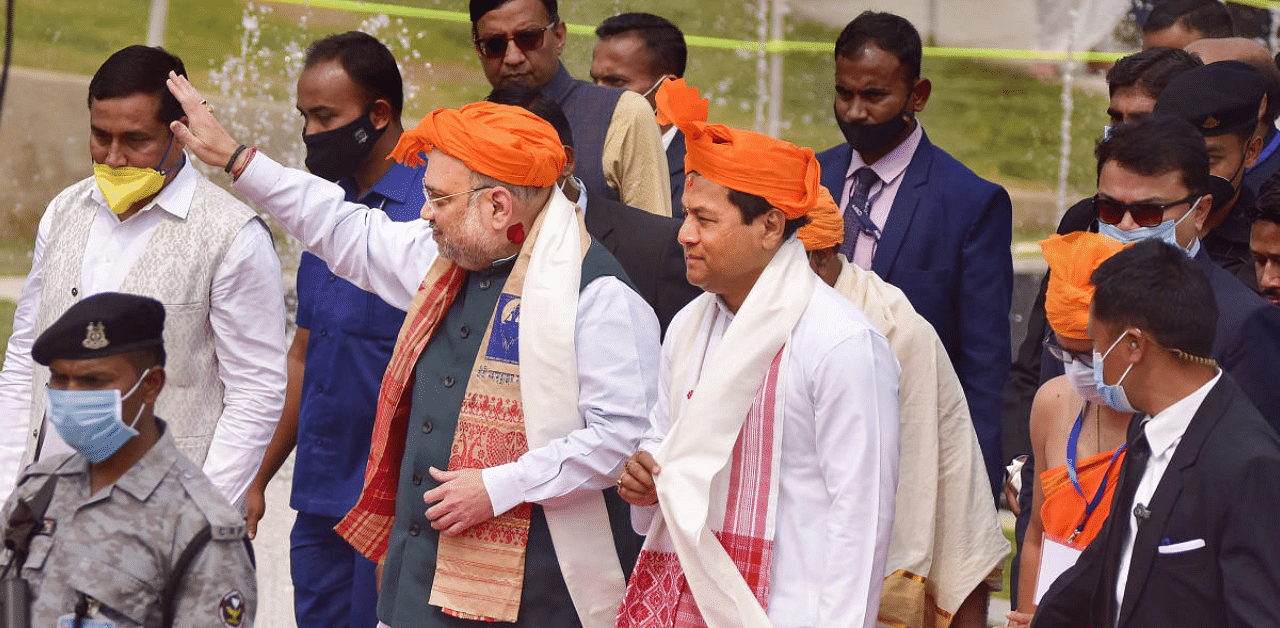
{"x": 507, "y": 143}
{"x": 780, "y": 172}
{"x": 1072, "y": 259}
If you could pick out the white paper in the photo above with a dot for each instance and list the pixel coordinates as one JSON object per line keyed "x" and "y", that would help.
{"x": 1055, "y": 558}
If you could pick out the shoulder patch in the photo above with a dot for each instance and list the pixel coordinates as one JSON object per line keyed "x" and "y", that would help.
{"x": 231, "y": 609}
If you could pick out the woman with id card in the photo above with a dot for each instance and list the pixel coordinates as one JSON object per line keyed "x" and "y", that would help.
{"x": 1074, "y": 435}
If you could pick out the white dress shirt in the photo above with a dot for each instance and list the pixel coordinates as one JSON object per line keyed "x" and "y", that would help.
{"x": 616, "y": 337}
{"x": 882, "y": 193}
{"x": 246, "y": 312}
{"x": 839, "y": 467}
{"x": 1164, "y": 432}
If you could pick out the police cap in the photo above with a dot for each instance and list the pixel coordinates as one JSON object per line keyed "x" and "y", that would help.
{"x": 1217, "y": 98}
{"x": 108, "y": 323}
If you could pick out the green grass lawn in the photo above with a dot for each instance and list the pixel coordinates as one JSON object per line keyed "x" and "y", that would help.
{"x": 6, "y": 320}
{"x": 15, "y": 257}
{"x": 1001, "y": 123}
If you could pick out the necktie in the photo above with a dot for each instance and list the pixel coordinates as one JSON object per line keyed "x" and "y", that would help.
{"x": 857, "y": 213}
{"x": 1135, "y": 464}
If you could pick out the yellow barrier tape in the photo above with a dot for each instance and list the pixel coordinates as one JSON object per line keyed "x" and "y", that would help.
{"x": 770, "y": 46}
{"x": 1261, "y": 4}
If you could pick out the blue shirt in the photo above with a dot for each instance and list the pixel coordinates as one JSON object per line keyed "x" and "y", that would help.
{"x": 352, "y": 335}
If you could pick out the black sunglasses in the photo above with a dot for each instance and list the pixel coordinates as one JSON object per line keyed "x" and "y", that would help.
{"x": 496, "y": 47}
{"x": 1112, "y": 211}
{"x": 1065, "y": 355}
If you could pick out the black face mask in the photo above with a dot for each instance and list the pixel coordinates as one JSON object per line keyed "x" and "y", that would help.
{"x": 1222, "y": 190}
{"x": 340, "y": 152}
{"x": 874, "y": 138}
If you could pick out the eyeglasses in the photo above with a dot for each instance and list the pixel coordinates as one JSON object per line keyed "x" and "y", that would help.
{"x": 1065, "y": 355}
{"x": 496, "y": 47}
{"x": 1112, "y": 211}
{"x": 436, "y": 199}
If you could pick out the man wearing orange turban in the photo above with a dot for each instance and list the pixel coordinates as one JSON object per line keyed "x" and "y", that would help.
{"x": 775, "y": 437}
{"x": 1070, "y": 426}
{"x": 520, "y": 381}
{"x": 947, "y": 547}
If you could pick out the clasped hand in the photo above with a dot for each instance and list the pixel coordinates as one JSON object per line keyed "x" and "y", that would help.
{"x": 636, "y": 485}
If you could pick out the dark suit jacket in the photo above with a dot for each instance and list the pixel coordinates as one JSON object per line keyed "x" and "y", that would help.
{"x": 1220, "y": 486}
{"x": 646, "y": 246}
{"x": 675, "y": 162}
{"x": 1248, "y": 340}
{"x": 946, "y": 245}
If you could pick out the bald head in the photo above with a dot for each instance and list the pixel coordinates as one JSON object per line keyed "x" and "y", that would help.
{"x": 1246, "y": 51}
{"x": 1231, "y": 49}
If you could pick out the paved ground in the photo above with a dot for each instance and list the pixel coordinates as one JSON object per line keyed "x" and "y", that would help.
{"x": 275, "y": 590}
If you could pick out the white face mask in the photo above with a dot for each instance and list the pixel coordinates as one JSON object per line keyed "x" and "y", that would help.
{"x": 1081, "y": 378}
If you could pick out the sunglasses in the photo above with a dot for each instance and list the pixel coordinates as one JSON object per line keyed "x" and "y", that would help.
{"x": 1112, "y": 211}
{"x": 1066, "y": 356}
{"x": 496, "y": 47}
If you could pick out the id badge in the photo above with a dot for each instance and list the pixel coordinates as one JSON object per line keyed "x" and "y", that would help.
{"x": 69, "y": 621}
{"x": 1056, "y": 556}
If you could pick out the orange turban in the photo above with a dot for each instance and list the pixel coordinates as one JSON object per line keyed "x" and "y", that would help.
{"x": 504, "y": 142}
{"x": 826, "y": 224}
{"x": 1072, "y": 259}
{"x": 780, "y": 172}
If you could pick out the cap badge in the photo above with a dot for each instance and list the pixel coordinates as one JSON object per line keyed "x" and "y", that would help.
{"x": 1210, "y": 123}
{"x": 95, "y": 337}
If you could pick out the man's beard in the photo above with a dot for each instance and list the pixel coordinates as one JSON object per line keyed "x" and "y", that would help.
{"x": 463, "y": 246}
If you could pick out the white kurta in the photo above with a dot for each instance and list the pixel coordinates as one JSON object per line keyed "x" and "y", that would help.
{"x": 246, "y": 310}
{"x": 616, "y": 331}
{"x": 946, "y": 534}
{"x": 839, "y": 466}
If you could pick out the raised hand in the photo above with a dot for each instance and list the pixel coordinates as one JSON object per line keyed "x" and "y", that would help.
{"x": 200, "y": 132}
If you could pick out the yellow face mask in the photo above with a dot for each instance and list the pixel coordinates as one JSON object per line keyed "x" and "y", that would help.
{"x": 126, "y": 185}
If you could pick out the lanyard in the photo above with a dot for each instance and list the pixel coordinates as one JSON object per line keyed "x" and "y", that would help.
{"x": 1072, "y": 440}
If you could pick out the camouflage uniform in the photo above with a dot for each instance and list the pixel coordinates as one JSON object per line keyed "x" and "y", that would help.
{"x": 117, "y": 547}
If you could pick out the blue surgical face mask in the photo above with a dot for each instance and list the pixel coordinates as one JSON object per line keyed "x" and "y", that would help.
{"x": 1111, "y": 394}
{"x": 89, "y": 421}
{"x": 1167, "y": 230}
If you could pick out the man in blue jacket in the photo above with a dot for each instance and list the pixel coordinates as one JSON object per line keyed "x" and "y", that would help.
{"x": 919, "y": 218}
{"x": 350, "y": 95}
